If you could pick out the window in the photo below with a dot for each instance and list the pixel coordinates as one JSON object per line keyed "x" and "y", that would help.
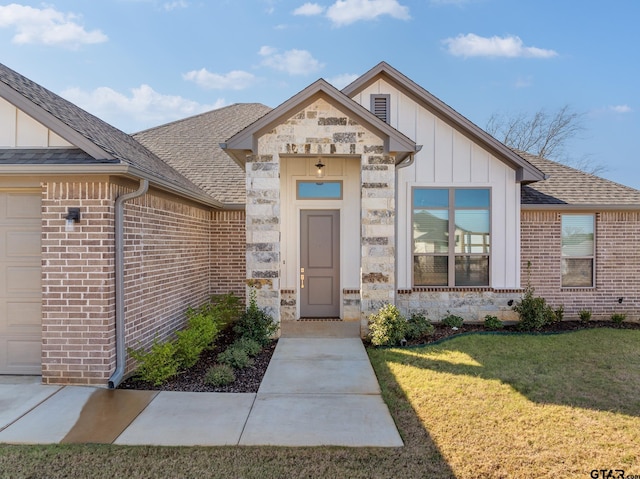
{"x": 319, "y": 190}
{"x": 451, "y": 237}
{"x": 578, "y": 250}
{"x": 380, "y": 106}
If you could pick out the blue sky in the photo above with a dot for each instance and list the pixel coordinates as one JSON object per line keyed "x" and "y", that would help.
{"x": 141, "y": 63}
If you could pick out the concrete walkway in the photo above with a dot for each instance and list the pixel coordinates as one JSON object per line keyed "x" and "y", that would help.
{"x": 319, "y": 389}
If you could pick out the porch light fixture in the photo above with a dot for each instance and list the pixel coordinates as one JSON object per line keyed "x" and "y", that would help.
{"x": 73, "y": 216}
{"x": 319, "y": 169}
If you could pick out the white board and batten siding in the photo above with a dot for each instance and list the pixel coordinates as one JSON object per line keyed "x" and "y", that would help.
{"x": 19, "y": 130}
{"x": 448, "y": 159}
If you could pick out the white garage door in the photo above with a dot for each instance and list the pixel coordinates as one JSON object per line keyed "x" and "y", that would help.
{"x": 20, "y": 283}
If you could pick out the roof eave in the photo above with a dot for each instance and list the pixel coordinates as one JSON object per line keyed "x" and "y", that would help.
{"x": 107, "y": 169}
{"x": 53, "y": 123}
{"x": 580, "y": 207}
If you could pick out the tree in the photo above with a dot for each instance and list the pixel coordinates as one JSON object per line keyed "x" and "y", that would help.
{"x": 543, "y": 134}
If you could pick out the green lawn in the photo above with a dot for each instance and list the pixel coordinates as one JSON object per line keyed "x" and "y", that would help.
{"x": 476, "y": 406}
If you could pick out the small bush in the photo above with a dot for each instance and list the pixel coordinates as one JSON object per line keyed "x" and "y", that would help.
{"x": 156, "y": 365}
{"x": 618, "y": 318}
{"x": 248, "y": 345}
{"x": 227, "y": 308}
{"x": 585, "y": 316}
{"x": 452, "y": 321}
{"x": 558, "y": 314}
{"x": 534, "y": 312}
{"x": 255, "y": 323}
{"x": 235, "y": 358}
{"x": 387, "y": 327}
{"x": 492, "y": 323}
{"x": 219, "y": 375}
{"x": 418, "y": 327}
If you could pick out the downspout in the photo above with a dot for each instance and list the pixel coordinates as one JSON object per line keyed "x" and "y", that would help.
{"x": 402, "y": 164}
{"x": 121, "y": 352}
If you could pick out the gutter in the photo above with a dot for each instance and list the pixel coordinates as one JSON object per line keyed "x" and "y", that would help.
{"x": 121, "y": 352}
{"x": 403, "y": 164}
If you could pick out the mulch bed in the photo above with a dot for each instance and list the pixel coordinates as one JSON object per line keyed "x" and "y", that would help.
{"x": 248, "y": 379}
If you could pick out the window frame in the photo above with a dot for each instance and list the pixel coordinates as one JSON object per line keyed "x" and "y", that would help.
{"x": 451, "y": 254}
{"x": 591, "y": 257}
{"x": 319, "y": 182}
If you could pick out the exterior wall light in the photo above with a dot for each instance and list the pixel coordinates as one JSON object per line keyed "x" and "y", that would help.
{"x": 319, "y": 169}
{"x": 73, "y": 217}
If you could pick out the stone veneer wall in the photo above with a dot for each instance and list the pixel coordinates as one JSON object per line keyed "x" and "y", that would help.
{"x": 617, "y": 263}
{"x": 167, "y": 252}
{"x": 324, "y": 130}
{"x": 472, "y": 304}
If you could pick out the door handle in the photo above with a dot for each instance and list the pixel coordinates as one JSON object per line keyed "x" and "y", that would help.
{"x": 302, "y": 281}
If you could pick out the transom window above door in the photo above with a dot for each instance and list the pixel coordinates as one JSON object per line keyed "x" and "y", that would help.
{"x": 451, "y": 236}
{"x": 319, "y": 190}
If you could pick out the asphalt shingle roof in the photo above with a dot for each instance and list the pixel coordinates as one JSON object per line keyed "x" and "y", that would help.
{"x": 191, "y": 146}
{"x": 39, "y": 156}
{"x": 118, "y": 144}
{"x": 568, "y": 186}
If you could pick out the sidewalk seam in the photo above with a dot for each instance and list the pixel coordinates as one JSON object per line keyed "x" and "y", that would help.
{"x": 27, "y": 412}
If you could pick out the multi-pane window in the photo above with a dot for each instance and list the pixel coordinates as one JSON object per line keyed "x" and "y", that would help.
{"x": 578, "y": 250}
{"x": 451, "y": 236}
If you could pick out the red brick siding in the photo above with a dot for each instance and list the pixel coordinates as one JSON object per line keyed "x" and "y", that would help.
{"x": 617, "y": 263}
{"x": 77, "y": 284}
{"x": 228, "y": 253}
{"x": 167, "y": 266}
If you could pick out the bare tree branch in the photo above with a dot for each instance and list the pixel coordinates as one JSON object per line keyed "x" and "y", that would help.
{"x": 543, "y": 134}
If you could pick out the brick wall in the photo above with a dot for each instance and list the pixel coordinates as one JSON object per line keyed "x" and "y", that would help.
{"x": 167, "y": 265}
{"x": 167, "y": 269}
{"x": 617, "y": 263}
{"x": 228, "y": 253}
{"x": 77, "y": 283}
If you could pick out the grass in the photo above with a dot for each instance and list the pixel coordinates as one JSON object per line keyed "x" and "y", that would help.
{"x": 475, "y": 406}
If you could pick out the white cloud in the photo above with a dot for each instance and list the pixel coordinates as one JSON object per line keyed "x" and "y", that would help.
{"x": 309, "y": 9}
{"x": 293, "y": 62}
{"x": 234, "y": 80}
{"x": 169, "y": 6}
{"x": 472, "y": 45}
{"x": 47, "y": 26}
{"x": 345, "y": 12}
{"x": 343, "y": 80}
{"x": 142, "y": 109}
{"x": 620, "y": 108}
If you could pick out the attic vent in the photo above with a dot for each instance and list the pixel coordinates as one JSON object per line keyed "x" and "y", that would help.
{"x": 380, "y": 106}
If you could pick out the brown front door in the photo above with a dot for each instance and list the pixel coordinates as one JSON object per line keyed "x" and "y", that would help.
{"x": 320, "y": 264}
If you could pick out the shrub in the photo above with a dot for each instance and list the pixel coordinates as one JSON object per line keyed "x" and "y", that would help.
{"x": 418, "y": 326}
{"x": 235, "y": 358}
{"x": 387, "y": 327}
{"x": 227, "y": 308}
{"x": 452, "y": 321}
{"x": 534, "y": 311}
{"x": 219, "y": 375}
{"x": 255, "y": 323}
{"x": 248, "y": 345}
{"x": 558, "y": 314}
{"x": 585, "y": 316}
{"x": 156, "y": 365}
{"x": 203, "y": 325}
{"x": 618, "y": 318}
{"x": 492, "y": 323}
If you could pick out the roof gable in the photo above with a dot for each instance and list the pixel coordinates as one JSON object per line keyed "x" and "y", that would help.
{"x": 526, "y": 172}
{"x": 246, "y": 140}
{"x": 98, "y": 139}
